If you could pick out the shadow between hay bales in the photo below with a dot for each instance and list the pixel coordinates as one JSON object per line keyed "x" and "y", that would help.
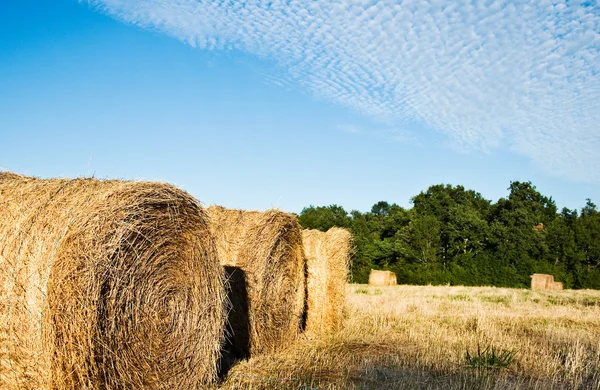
{"x": 304, "y": 316}
{"x": 237, "y": 343}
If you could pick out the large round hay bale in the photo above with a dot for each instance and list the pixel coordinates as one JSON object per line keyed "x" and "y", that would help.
{"x": 106, "y": 285}
{"x": 327, "y": 264}
{"x": 265, "y": 248}
{"x": 382, "y": 278}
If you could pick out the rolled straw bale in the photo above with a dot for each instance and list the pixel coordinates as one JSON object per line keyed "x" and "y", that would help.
{"x": 378, "y": 278}
{"x": 392, "y": 280}
{"x": 106, "y": 285}
{"x": 538, "y": 282}
{"x": 382, "y": 278}
{"x": 556, "y": 286}
{"x": 267, "y": 247}
{"x": 541, "y": 281}
{"x": 327, "y": 263}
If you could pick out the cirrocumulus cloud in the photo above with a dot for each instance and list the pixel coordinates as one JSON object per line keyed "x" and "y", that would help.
{"x": 523, "y": 75}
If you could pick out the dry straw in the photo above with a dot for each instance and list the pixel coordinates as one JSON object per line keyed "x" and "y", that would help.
{"x": 544, "y": 282}
{"x": 106, "y": 285}
{"x": 264, "y": 250}
{"x": 382, "y": 278}
{"x": 327, "y": 263}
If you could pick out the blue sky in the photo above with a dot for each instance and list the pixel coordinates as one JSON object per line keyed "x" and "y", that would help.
{"x": 255, "y": 104}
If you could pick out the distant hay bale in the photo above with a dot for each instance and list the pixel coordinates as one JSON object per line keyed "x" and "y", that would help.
{"x": 327, "y": 262}
{"x": 556, "y": 286}
{"x": 392, "y": 280}
{"x": 544, "y": 282}
{"x": 106, "y": 285}
{"x": 539, "y": 281}
{"x": 382, "y": 278}
{"x": 267, "y": 247}
{"x": 378, "y": 278}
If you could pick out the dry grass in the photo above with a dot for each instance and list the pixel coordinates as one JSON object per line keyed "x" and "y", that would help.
{"x": 544, "y": 282}
{"x": 327, "y": 263}
{"x": 106, "y": 285}
{"x": 417, "y": 337}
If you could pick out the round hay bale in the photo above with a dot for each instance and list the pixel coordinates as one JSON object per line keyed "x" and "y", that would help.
{"x": 106, "y": 285}
{"x": 382, "y": 278}
{"x": 327, "y": 263}
{"x": 392, "y": 280}
{"x": 557, "y": 286}
{"x": 267, "y": 248}
{"x": 542, "y": 282}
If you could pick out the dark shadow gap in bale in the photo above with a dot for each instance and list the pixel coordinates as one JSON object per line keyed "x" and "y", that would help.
{"x": 304, "y": 317}
{"x": 237, "y": 342}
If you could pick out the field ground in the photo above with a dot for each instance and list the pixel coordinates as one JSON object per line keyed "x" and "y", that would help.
{"x": 427, "y": 337}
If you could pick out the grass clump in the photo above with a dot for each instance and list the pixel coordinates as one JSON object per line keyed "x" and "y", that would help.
{"x": 368, "y": 291}
{"x": 489, "y": 358}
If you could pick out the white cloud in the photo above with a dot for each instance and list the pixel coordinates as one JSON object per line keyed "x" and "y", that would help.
{"x": 385, "y": 133}
{"x": 525, "y": 75}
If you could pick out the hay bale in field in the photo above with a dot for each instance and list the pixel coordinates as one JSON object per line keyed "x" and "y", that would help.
{"x": 556, "y": 286}
{"x": 327, "y": 263}
{"x": 544, "y": 282}
{"x": 382, "y": 278}
{"x": 392, "y": 280}
{"x": 540, "y": 281}
{"x": 106, "y": 285}
{"x": 267, "y": 247}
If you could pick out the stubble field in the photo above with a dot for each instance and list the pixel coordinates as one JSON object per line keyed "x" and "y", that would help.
{"x": 439, "y": 337}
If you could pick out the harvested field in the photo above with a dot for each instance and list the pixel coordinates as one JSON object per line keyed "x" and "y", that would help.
{"x": 426, "y": 337}
{"x": 263, "y": 250}
{"x": 106, "y": 285}
{"x": 327, "y": 261}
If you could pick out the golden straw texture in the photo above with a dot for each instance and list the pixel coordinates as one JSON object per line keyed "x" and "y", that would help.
{"x": 327, "y": 263}
{"x": 382, "y": 278}
{"x": 106, "y": 285}
{"x": 544, "y": 282}
{"x": 267, "y": 248}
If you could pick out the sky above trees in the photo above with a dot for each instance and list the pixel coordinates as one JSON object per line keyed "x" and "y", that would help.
{"x": 256, "y": 104}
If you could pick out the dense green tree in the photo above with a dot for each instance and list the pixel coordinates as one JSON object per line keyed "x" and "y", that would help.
{"x": 421, "y": 240}
{"x": 563, "y": 252}
{"x": 324, "y": 218}
{"x": 374, "y": 236}
{"x": 518, "y": 226}
{"x": 461, "y": 214}
{"x": 453, "y": 235}
{"x": 588, "y": 240}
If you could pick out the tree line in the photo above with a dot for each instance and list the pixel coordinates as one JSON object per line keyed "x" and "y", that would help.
{"x": 453, "y": 235}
